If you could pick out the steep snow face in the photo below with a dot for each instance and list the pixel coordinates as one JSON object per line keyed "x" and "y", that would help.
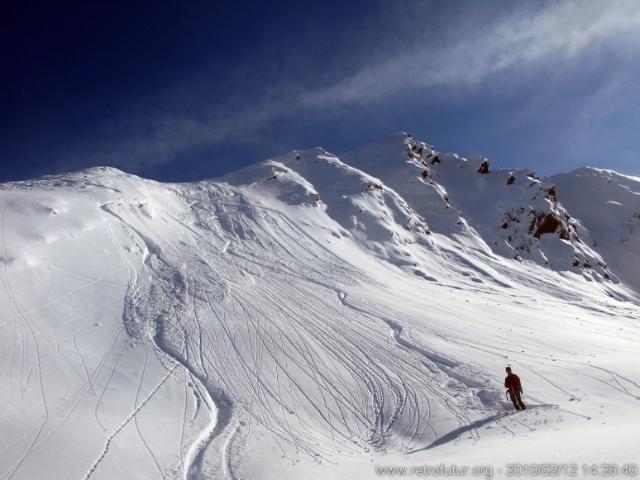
{"x": 608, "y": 205}
{"x": 399, "y": 164}
{"x": 513, "y": 212}
{"x": 299, "y": 318}
{"x": 74, "y": 391}
{"x": 362, "y": 206}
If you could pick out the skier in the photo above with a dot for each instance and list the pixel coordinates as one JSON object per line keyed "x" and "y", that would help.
{"x": 513, "y": 386}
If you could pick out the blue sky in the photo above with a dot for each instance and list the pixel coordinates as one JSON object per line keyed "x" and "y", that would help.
{"x": 179, "y": 91}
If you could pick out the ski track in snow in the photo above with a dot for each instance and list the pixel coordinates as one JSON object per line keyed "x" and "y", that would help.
{"x": 126, "y": 421}
{"x": 275, "y": 357}
{"x": 280, "y": 337}
{"x": 277, "y": 367}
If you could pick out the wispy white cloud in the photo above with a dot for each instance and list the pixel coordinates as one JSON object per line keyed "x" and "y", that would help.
{"x": 552, "y": 37}
{"x": 558, "y": 38}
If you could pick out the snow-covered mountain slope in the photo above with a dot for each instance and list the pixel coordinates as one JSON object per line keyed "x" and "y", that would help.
{"x": 607, "y": 204}
{"x": 516, "y": 214}
{"x": 307, "y": 317}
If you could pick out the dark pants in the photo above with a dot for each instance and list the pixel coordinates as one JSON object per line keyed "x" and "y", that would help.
{"x": 517, "y": 401}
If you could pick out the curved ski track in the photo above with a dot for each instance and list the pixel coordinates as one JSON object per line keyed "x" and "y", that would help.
{"x": 248, "y": 306}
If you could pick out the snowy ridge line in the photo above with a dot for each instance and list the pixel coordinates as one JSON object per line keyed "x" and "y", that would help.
{"x": 513, "y": 212}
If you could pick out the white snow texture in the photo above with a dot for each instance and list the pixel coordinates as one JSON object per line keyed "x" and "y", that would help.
{"x": 318, "y": 317}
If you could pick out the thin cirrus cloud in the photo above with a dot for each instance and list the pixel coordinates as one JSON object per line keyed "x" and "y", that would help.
{"x": 555, "y": 39}
{"x": 561, "y": 32}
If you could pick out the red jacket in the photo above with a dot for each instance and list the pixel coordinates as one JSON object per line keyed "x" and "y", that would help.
{"x": 512, "y": 382}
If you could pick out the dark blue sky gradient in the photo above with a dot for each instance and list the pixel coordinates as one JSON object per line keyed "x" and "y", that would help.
{"x": 178, "y": 90}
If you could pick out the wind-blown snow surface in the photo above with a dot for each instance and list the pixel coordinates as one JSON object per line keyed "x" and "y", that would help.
{"x": 303, "y": 319}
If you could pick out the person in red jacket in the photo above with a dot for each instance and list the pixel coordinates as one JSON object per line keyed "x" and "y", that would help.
{"x": 514, "y": 387}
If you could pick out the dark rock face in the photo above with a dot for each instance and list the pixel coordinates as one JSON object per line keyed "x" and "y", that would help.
{"x": 484, "y": 167}
{"x": 372, "y": 186}
{"x": 548, "y": 223}
{"x": 551, "y": 194}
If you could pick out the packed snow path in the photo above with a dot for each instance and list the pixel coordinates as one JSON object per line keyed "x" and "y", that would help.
{"x": 205, "y": 330}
